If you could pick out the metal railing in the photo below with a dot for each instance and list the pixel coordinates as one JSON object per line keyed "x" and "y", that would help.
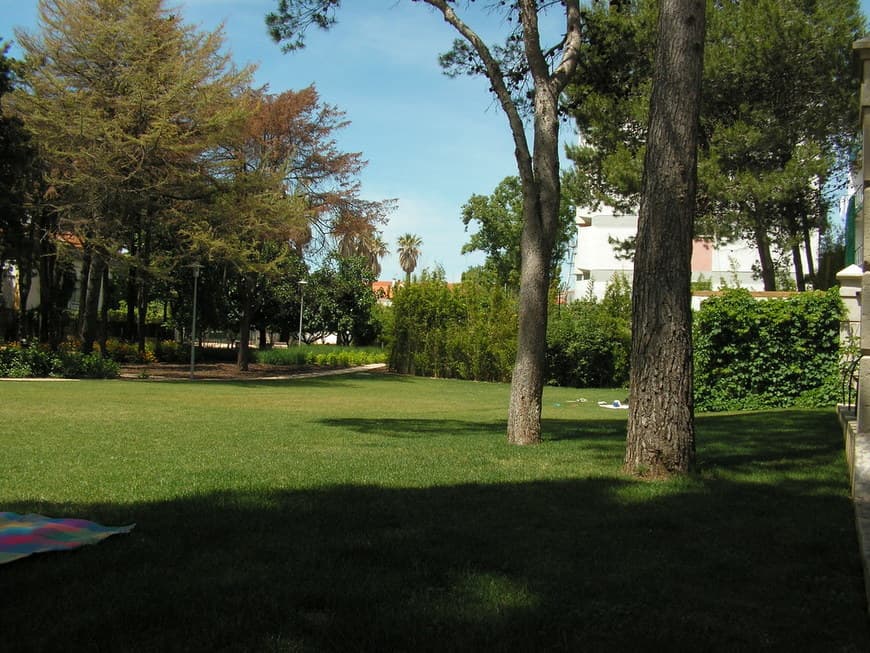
{"x": 850, "y": 383}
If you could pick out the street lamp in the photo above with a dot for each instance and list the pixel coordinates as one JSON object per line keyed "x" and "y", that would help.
{"x": 302, "y": 284}
{"x": 196, "y": 267}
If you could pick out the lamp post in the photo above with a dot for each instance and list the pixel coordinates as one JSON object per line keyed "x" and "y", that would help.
{"x": 196, "y": 267}
{"x": 302, "y": 284}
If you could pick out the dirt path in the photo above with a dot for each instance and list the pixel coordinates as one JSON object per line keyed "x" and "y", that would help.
{"x": 230, "y": 372}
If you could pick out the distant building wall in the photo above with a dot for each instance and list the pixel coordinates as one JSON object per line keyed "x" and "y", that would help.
{"x": 596, "y": 258}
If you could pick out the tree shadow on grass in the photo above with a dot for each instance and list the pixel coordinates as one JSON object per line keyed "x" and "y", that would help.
{"x": 740, "y": 441}
{"x": 348, "y": 380}
{"x": 553, "y": 430}
{"x": 416, "y": 428}
{"x": 586, "y": 564}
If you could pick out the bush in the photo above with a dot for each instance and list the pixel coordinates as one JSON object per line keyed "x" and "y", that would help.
{"x": 24, "y": 362}
{"x": 170, "y": 351}
{"x": 760, "y": 354}
{"x": 467, "y": 332}
{"x": 122, "y": 351}
{"x": 75, "y": 365}
{"x": 588, "y": 342}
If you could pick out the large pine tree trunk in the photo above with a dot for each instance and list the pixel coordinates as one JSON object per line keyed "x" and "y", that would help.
{"x": 808, "y": 247}
{"x": 661, "y": 436}
{"x": 47, "y": 295}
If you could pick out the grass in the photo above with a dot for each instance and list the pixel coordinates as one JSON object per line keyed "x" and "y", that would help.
{"x": 384, "y": 513}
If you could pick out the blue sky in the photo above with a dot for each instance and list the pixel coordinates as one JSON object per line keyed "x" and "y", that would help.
{"x": 431, "y": 142}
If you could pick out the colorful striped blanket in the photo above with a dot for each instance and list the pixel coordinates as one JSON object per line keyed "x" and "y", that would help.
{"x": 21, "y": 535}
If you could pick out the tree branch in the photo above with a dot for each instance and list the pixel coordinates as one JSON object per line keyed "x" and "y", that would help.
{"x": 499, "y": 87}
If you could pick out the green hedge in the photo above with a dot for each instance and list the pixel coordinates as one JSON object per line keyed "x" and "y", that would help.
{"x": 322, "y": 355}
{"x": 770, "y": 353}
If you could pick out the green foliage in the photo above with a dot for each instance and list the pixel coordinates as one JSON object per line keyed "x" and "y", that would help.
{"x": 383, "y": 324}
{"x": 339, "y": 299}
{"x": 500, "y": 224}
{"x": 756, "y": 354}
{"x": 127, "y": 352}
{"x": 75, "y": 365}
{"x": 40, "y": 362}
{"x": 170, "y": 351}
{"x": 766, "y": 147}
{"x": 322, "y": 355}
{"x": 467, "y": 332}
{"x": 588, "y": 342}
{"x": 23, "y": 362}
{"x": 702, "y": 283}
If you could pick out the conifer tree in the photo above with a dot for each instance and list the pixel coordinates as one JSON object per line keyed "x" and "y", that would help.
{"x": 124, "y": 99}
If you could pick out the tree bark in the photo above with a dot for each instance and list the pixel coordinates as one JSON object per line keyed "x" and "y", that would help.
{"x": 261, "y": 329}
{"x": 141, "y": 313}
{"x": 25, "y": 282}
{"x": 244, "y": 356}
{"x": 795, "y": 235}
{"x": 91, "y": 308}
{"x": 808, "y": 247}
{"x": 132, "y": 301}
{"x": 539, "y": 173}
{"x": 104, "y": 312}
{"x": 661, "y": 435}
{"x": 800, "y": 280}
{"x": 47, "y": 294}
{"x": 762, "y": 243}
{"x": 83, "y": 287}
{"x": 540, "y": 219}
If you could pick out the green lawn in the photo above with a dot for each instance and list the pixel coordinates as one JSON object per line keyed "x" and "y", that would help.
{"x": 384, "y": 513}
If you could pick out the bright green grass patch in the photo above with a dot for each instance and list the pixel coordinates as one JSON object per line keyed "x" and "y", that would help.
{"x": 379, "y": 513}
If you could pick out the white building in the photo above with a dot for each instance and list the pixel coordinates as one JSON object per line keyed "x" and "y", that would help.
{"x": 595, "y": 259}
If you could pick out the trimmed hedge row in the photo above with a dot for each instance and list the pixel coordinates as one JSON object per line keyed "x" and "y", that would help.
{"x": 322, "y": 355}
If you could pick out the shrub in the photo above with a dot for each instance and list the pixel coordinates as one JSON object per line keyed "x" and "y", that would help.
{"x": 170, "y": 351}
{"x": 75, "y": 365}
{"x": 759, "y": 354}
{"x": 122, "y": 351}
{"x": 466, "y": 332}
{"x": 22, "y": 362}
{"x": 38, "y": 362}
{"x": 588, "y": 342}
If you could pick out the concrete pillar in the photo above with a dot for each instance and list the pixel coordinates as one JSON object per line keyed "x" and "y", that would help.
{"x": 851, "y": 286}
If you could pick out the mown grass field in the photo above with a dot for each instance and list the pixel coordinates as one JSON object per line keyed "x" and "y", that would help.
{"x": 385, "y": 513}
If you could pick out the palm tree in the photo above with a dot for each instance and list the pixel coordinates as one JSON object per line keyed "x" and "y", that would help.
{"x": 370, "y": 245}
{"x": 376, "y": 248}
{"x": 409, "y": 251}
